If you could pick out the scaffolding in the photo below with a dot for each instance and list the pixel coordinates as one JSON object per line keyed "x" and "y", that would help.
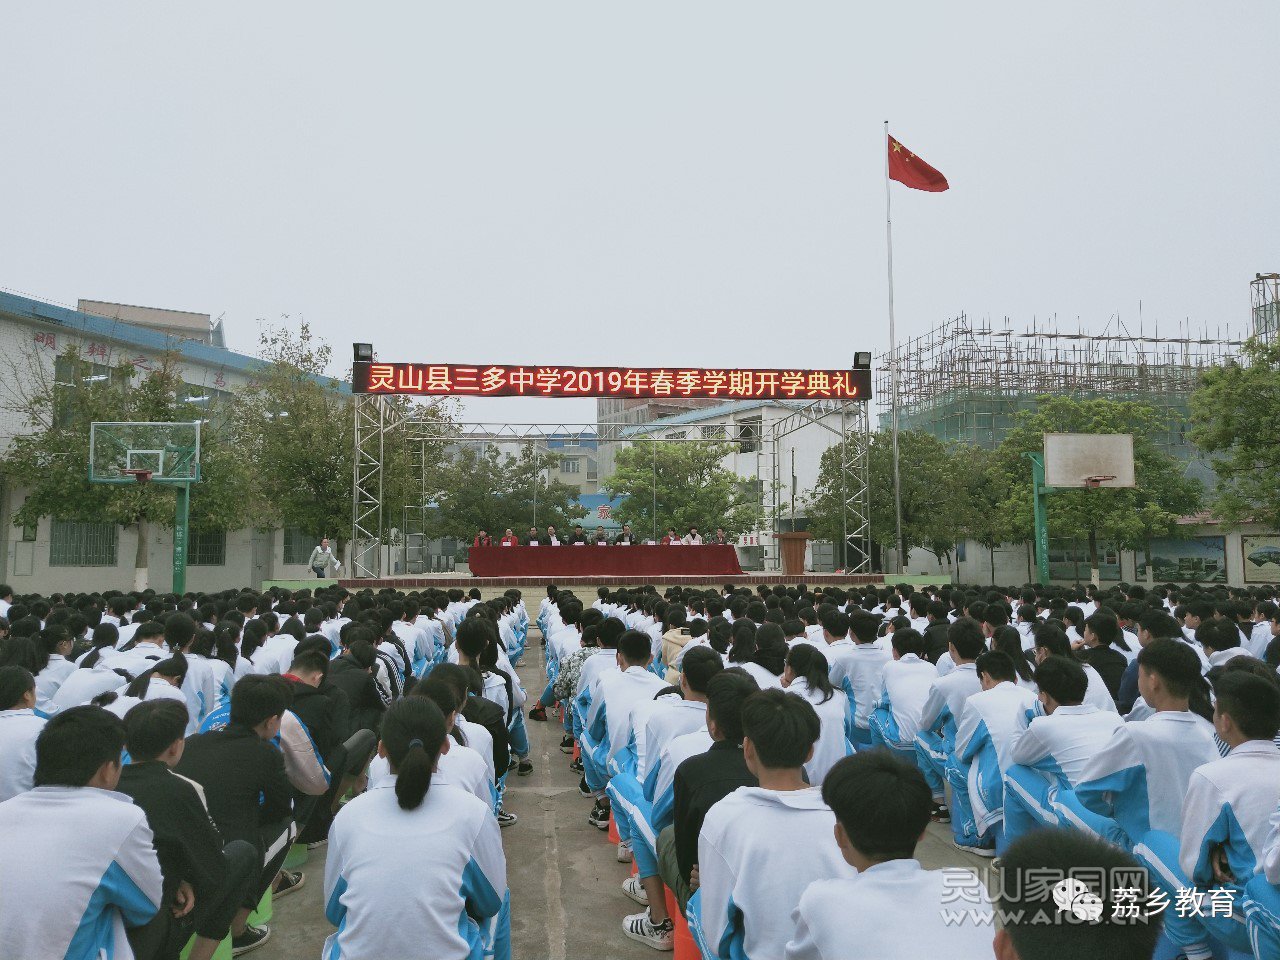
{"x": 375, "y": 418}
{"x": 1264, "y": 296}
{"x": 966, "y": 380}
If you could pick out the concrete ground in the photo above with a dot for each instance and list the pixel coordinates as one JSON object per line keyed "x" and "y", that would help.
{"x": 566, "y": 896}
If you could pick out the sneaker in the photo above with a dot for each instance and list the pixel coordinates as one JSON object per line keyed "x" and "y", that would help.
{"x": 988, "y": 852}
{"x": 599, "y": 816}
{"x": 511, "y": 764}
{"x": 252, "y": 938}
{"x": 539, "y": 712}
{"x": 566, "y": 745}
{"x": 624, "y": 852}
{"x": 583, "y": 789}
{"x": 318, "y": 844}
{"x": 940, "y": 813}
{"x": 634, "y": 889}
{"x": 659, "y": 936}
{"x": 290, "y": 881}
{"x": 506, "y": 819}
{"x": 576, "y": 765}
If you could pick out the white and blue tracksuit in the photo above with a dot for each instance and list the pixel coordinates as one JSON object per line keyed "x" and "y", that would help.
{"x": 861, "y": 676}
{"x": 77, "y": 867}
{"x": 1046, "y": 762}
{"x": 19, "y": 730}
{"x": 608, "y": 727}
{"x": 1262, "y": 895}
{"x": 660, "y": 781}
{"x": 938, "y": 719}
{"x": 759, "y": 850}
{"x": 835, "y": 731}
{"x": 1139, "y": 777}
{"x": 451, "y": 850}
{"x": 990, "y": 722}
{"x": 905, "y": 687}
{"x": 1227, "y": 806}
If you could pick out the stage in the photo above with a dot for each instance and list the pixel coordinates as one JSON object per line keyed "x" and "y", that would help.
{"x": 498, "y": 584}
{"x": 587, "y": 560}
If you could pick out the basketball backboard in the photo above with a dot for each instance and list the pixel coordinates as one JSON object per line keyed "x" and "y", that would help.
{"x": 1089, "y": 460}
{"x": 165, "y": 452}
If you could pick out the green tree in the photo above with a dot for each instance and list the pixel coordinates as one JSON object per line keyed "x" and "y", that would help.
{"x": 492, "y": 491}
{"x": 1234, "y": 416}
{"x": 929, "y": 518}
{"x": 685, "y": 482}
{"x": 980, "y": 507}
{"x": 50, "y": 459}
{"x": 1128, "y": 517}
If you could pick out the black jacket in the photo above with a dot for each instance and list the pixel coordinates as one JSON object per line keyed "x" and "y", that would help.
{"x": 245, "y": 786}
{"x": 318, "y": 711}
{"x": 187, "y": 843}
{"x": 700, "y": 782}
{"x": 364, "y": 703}
{"x": 491, "y": 716}
{"x": 1110, "y": 665}
{"x": 935, "y": 640}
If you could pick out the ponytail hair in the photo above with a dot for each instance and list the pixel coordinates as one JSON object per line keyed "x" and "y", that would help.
{"x": 104, "y": 635}
{"x": 809, "y": 664}
{"x": 175, "y": 668}
{"x": 413, "y": 734}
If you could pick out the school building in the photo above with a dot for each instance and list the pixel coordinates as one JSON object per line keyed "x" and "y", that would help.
{"x": 59, "y": 555}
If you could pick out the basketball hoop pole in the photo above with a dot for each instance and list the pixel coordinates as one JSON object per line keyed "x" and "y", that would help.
{"x": 1041, "y": 522}
{"x": 181, "y": 523}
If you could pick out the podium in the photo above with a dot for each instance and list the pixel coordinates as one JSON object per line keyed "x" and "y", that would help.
{"x": 792, "y": 549}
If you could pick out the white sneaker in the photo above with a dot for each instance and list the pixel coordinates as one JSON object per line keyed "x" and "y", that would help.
{"x": 988, "y": 852}
{"x": 639, "y": 927}
{"x": 624, "y": 852}
{"x": 634, "y": 889}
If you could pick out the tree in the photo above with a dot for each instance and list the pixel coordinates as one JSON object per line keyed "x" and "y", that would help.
{"x": 980, "y": 509}
{"x": 684, "y": 481}
{"x": 293, "y": 423}
{"x": 488, "y": 490}
{"x": 1234, "y": 416}
{"x": 928, "y": 489}
{"x": 51, "y": 460}
{"x": 1129, "y": 517}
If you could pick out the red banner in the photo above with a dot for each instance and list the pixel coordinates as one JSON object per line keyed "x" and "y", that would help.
{"x": 449, "y": 379}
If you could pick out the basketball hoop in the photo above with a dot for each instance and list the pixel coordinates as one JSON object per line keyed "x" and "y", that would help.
{"x": 143, "y": 477}
{"x": 1093, "y": 483}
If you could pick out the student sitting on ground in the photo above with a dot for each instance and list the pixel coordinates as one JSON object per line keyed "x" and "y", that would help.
{"x": 1139, "y": 777}
{"x": 904, "y": 689}
{"x": 442, "y": 838}
{"x": 991, "y": 721}
{"x": 807, "y": 676}
{"x": 204, "y": 881}
{"x": 19, "y": 729}
{"x": 77, "y": 865}
{"x": 245, "y": 786}
{"x": 1048, "y": 759}
{"x": 761, "y": 847}
{"x": 892, "y": 908}
{"x": 1224, "y": 820}
{"x": 945, "y": 705}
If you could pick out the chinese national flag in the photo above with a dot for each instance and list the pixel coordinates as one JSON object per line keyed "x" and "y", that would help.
{"x": 908, "y": 169}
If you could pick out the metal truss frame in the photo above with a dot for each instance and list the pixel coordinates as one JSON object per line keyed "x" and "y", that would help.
{"x": 375, "y": 417}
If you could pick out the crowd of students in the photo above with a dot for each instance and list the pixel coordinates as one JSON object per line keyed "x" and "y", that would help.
{"x": 770, "y": 760}
{"x": 160, "y": 755}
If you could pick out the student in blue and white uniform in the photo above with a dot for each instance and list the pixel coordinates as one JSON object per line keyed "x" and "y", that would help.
{"x": 19, "y": 728}
{"x": 904, "y": 689}
{"x": 761, "y": 847}
{"x": 90, "y": 866}
{"x": 1224, "y": 820}
{"x": 807, "y": 676}
{"x": 861, "y": 675}
{"x": 1139, "y": 777}
{"x": 990, "y": 722}
{"x": 944, "y": 707}
{"x": 54, "y": 646}
{"x": 893, "y": 909}
{"x": 1262, "y": 896}
{"x": 443, "y": 838}
{"x": 1048, "y": 759}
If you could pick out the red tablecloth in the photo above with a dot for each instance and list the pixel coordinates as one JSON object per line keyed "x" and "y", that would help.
{"x": 708, "y": 560}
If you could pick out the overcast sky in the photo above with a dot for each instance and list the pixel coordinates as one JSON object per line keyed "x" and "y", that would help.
{"x": 693, "y": 183}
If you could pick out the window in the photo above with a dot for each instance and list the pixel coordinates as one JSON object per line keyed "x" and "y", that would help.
{"x": 714, "y": 431}
{"x": 208, "y": 548}
{"x": 298, "y": 545}
{"x": 575, "y": 442}
{"x": 72, "y": 375}
{"x": 749, "y": 435}
{"x": 74, "y": 544}
{"x": 571, "y": 465}
{"x": 677, "y": 434}
{"x": 29, "y": 531}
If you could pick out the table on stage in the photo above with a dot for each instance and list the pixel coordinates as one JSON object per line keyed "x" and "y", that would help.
{"x": 706, "y": 560}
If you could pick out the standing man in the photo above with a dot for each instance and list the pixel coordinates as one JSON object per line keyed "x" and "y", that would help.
{"x": 322, "y": 558}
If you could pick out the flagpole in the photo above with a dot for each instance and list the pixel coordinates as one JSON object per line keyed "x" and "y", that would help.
{"x": 893, "y": 365}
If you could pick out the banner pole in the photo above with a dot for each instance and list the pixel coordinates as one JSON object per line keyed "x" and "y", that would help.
{"x": 900, "y": 548}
